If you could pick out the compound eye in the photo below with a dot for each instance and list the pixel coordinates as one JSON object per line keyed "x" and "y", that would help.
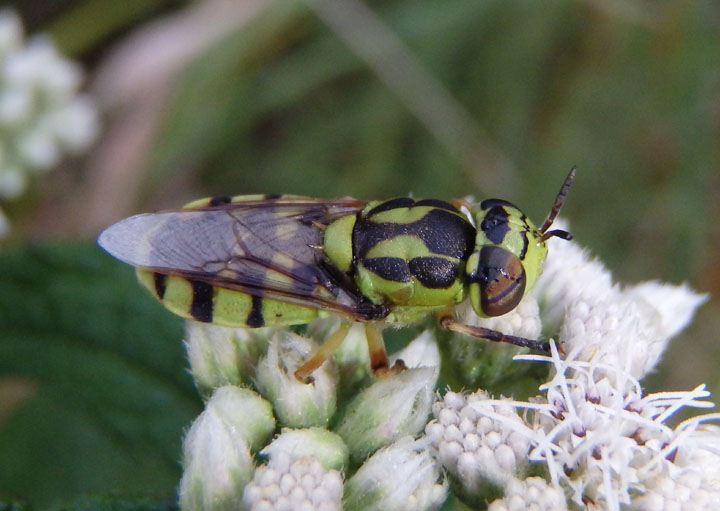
{"x": 500, "y": 281}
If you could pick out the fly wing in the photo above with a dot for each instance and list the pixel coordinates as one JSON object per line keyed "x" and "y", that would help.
{"x": 267, "y": 248}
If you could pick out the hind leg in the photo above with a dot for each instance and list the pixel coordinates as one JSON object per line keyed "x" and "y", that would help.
{"x": 379, "y": 363}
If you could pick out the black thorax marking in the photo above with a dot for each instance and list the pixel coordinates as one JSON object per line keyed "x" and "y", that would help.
{"x": 442, "y": 231}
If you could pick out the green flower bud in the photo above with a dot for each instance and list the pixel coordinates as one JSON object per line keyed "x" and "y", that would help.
{"x": 400, "y": 477}
{"x": 217, "y": 460}
{"x": 296, "y": 404}
{"x": 223, "y": 356}
{"x": 325, "y": 446}
{"x": 387, "y": 410}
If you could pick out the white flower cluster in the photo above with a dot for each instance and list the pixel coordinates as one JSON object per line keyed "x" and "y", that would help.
{"x": 369, "y": 460}
{"x": 285, "y": 484}
{"x": 599, "y": 439}
{"x": 472, "y": 444}
{"x": 41, "y": 114}
{"x": 605, "y": 443}
{"x": 590, "y": 439}
{"x": 531, "y": 494}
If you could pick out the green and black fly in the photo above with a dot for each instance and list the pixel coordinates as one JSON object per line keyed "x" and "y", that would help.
{"x": 261, "y": 260}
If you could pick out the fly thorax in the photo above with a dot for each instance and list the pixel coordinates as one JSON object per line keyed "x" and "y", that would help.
{"x": 337, "y": 242}
{"x": 408, "y": 252}
{"x": 507, "y": 258}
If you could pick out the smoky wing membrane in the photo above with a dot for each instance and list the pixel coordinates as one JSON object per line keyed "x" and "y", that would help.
{"x": 264, "y": 248}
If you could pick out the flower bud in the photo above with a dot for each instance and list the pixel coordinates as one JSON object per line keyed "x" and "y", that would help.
{"x": 400, "y": 477}
{"x": 217, "y": 461}
{"x": 223, "y": 356}
{"x": 296, "y": 404}
{"x": 387, "y": 410}
{"x": 422, "y": 351}
{"x": 325, "y": 446}
{"x": 352, "y": 358}
{"x": 674, "y": 306}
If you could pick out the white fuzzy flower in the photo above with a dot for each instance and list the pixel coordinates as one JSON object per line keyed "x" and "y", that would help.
{"x": 41, "y": 114}
{"x": 600, "y": 437}
{"x": 598, "y": 330}
{"x": 669, "y": 308}
{"x": 296, "y": 404}
{"x": 684, "y": 490}
{"x": 479, "y": 441}
{"x": 702, "y": 451}
{"x": 532, "y": 494}
{"x": 400, "y": 477}
{"x": 388, "y": 410}
{"x": 692, "y": 481}
{"x": 601, "y": 322}
{"x": 217, "y": 461}
{"x": 569, "y": 275}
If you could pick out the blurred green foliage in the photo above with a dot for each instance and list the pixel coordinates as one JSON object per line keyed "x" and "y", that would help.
{"x": 627, "y": 91}
{"x": 93, "y": 395}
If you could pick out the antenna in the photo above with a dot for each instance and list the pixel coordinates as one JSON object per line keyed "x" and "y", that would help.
{"x": 559, "y": 201}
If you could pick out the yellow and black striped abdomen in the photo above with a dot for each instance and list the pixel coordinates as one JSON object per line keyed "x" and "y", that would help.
{"x": 204, "y": 302}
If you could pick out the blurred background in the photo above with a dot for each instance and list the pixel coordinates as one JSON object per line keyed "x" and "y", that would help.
{"x": 167, "y": 100}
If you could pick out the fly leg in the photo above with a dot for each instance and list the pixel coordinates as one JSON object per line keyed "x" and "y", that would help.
{"x": 448, "y": 322}
{"x": 322, "y": 354}
{"x": 379, "y": 362}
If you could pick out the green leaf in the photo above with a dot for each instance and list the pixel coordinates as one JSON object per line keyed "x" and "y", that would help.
{"x": 94, "y": 394}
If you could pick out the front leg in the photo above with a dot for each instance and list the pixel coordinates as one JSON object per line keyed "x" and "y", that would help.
{"x": 304, "y": 372}
{"x": 448, "y": 322}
